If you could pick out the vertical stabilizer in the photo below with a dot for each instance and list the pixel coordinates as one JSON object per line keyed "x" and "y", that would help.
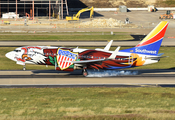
{"x": 155, "y": 35}
{"x": 151, "y": 43}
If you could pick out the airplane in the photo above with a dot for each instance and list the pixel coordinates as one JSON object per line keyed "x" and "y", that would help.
{"x": 69, "y": 59}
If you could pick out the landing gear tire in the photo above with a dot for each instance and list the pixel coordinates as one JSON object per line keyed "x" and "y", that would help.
{"x": 85, "y": 73}
{"x": 24, "y": 68}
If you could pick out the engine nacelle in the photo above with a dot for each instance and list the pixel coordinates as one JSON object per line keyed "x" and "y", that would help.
{"x": 77, "y": 67}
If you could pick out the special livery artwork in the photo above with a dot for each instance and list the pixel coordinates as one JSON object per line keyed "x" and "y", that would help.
{"x": 65, "y": 58}
{"x": 69, "y": 59}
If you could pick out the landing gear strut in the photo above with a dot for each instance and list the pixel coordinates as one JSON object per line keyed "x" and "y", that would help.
{"x": 24, "y": 67}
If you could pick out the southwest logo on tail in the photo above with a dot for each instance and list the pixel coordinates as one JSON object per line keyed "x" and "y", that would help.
{"x": 69, "y": 59}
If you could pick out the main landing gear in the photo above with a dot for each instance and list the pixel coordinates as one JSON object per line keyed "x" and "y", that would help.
{"x": 85, "y": 73}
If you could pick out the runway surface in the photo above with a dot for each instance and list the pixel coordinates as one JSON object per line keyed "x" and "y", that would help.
{"x": 51, "y": 78}
{"x": 166, "y": 42}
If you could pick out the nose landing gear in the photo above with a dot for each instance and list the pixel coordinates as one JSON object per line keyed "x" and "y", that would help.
{"x": 24, "y": 67}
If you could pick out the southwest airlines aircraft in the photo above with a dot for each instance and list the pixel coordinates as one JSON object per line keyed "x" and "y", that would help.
{"x": 69, "y": 59}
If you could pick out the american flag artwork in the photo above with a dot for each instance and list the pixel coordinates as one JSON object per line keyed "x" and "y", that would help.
{"x": 65, "y": 58}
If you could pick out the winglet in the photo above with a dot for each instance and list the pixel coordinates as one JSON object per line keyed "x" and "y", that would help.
{"x": 113, "y": 55}
{"x": 108, "y": 46}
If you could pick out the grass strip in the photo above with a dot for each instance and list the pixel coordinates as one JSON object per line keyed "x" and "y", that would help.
{"x": 66, "y": 36}
{"x": 164, "y": 63}
{"x": 88, "y": 103}
{"x": 64, "y": 33}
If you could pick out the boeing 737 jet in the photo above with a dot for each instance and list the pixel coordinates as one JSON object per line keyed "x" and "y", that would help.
{"x": 69, "y": 59}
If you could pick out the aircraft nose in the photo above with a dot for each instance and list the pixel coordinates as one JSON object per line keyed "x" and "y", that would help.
{"x": 10, "y": 55}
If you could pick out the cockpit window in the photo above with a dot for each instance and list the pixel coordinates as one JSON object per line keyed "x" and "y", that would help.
{"x": 17, "y": 50}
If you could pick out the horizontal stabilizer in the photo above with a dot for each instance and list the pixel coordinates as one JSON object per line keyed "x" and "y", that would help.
{"x": 160, "y": 54}
{"x": 156, "y": 57}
